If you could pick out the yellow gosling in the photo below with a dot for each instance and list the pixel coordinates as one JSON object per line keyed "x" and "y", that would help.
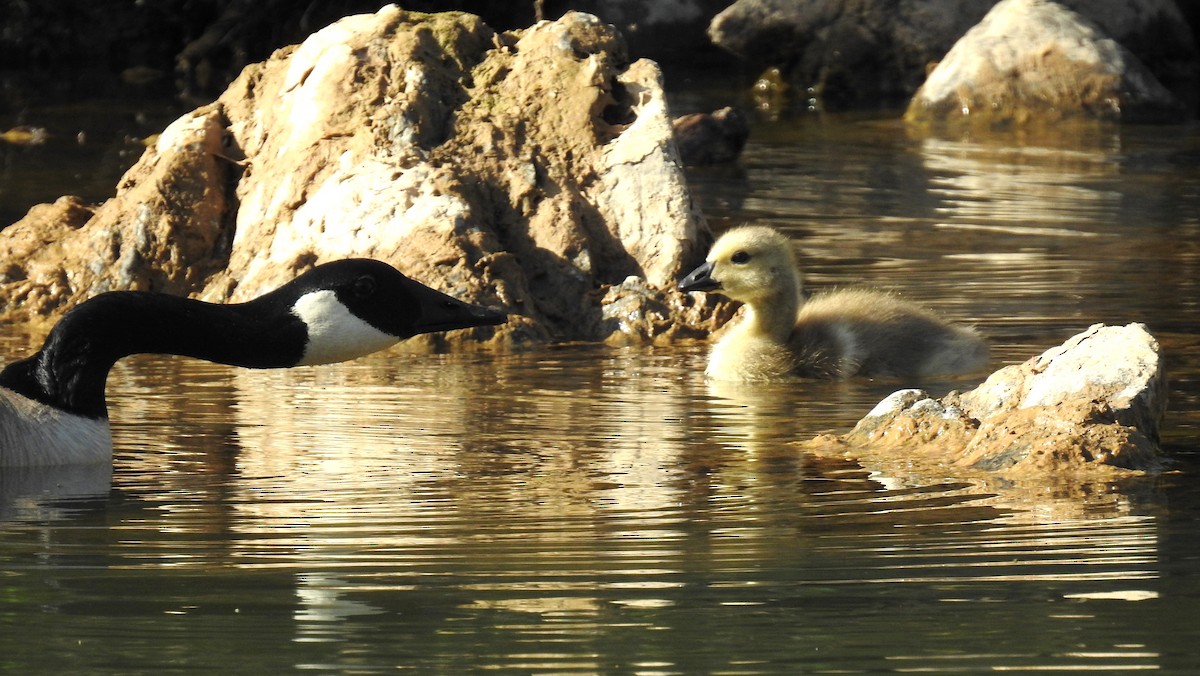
{"x": 834, "y": 334}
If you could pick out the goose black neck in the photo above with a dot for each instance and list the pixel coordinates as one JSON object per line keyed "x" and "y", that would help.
{"x": 70, "y": 370}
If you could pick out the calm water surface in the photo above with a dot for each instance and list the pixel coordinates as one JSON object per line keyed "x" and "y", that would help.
{"x": 584, "y": 509}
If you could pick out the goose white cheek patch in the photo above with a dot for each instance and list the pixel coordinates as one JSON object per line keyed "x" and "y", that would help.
{"x": 334, "y": 333}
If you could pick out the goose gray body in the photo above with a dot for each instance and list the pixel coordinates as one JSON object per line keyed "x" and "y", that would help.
{"x": 33, "y": 433}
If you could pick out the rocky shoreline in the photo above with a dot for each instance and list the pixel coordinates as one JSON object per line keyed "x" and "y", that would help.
{"x": 537, "y": 170}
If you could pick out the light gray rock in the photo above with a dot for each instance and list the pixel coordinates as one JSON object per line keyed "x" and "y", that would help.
{"x": 1096, "y": 401}
{"x": 1117, "y": 366}
{"x": 1032, "y": 61}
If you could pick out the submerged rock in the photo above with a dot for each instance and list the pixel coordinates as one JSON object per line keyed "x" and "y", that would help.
{"x": 711, "y": 138}
{"x": 529, "y": 170}
{"x": 1096, "y": 400}
{"x": 1037, "y": 61}
{"x": 633, "y": 312}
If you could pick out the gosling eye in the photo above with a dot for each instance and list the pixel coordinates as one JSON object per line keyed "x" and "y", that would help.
{"x": 740, "y": 258}
{"x": 364, "y": 286}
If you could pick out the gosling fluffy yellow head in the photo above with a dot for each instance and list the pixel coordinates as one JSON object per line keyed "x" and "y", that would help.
{"x": 753, "y": 264}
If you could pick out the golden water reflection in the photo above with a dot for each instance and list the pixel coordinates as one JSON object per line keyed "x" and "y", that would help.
{"x": 546, "y": 506}
{"x": 585, "y": 509}
{"x": 567, "y": 495}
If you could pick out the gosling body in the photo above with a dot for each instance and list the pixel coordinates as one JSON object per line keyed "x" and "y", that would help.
{"x": 52, "y": 404}
{"x": 834, "y": 334}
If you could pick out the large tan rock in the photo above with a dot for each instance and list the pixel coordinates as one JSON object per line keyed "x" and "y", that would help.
{"x": 1094, "y": 402}
{"x": 531, "y": 170}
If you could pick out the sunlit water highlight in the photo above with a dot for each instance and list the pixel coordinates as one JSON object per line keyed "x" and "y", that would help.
{"x": 592, "y": 510}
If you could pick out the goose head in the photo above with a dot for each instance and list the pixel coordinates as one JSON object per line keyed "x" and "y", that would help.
{"x": 751, "y": 264}
{"x": 353, "y": 307}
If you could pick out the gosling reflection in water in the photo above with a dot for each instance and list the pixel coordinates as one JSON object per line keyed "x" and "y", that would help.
{"x": 834, "y": 334}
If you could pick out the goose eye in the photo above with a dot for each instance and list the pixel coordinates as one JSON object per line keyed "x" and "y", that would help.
{"x": 364, "y": 286}
{"x": 740, "y": 258}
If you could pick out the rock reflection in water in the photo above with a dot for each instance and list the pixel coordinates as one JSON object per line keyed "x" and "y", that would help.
{"x": 571, "y": 509}
{"x": 1052, "y": 223}
{"x": 1023, "y": 190}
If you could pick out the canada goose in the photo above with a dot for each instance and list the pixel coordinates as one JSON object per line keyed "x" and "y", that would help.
{"x": 834, "y": 334}
{"x": 52, "y": 406}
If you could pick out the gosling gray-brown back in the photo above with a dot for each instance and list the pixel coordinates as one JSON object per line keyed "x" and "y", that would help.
{"x": 834, "y": 334}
